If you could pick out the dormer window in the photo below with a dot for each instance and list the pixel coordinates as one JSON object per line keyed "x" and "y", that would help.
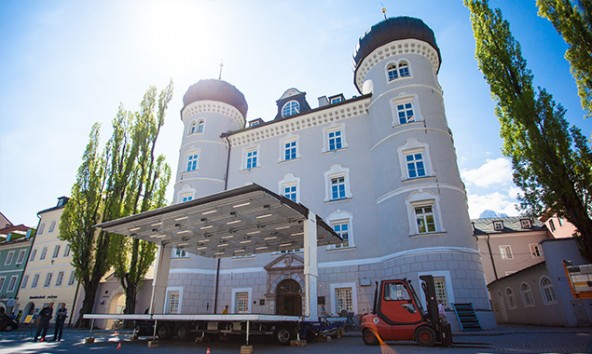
{"x": 290, "y": 108}
{"x": 525, "y": 223}
{"x": 498, "y": 225}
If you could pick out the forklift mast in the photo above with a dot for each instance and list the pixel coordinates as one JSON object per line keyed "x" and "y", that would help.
{"x": 431, "y": 301}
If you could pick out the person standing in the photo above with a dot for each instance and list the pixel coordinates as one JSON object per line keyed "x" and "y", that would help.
{"x": 61, "y": 315}
{"x": 44, "y": 317}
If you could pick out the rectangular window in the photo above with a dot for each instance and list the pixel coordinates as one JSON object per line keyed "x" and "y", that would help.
{"x": 191, "y": 163}
{"x": 415, "y": 165}
{"x": 498, "y": 225}
{"x": 41, "y": 228}
{"x": 290, "y": 150}
{"x": 405, "y": 113}
{"x": 337, "y": 188}
{"x": 59, "y": 279}
{"x": 52, "y": 226}
{"x": 561, "y": 222}
{"x": 251, "y": 161}
{"x": 525, "y": 223}
{"x": 290, "y": 192}
{"x": 173, "y": 303}
{"x": 186, "y": 198}
{"x": 535, "y": 250}
{"x": 33, "y": 254}
{"x": 179, "y": 253}
{"x": 21, "y": 256}
{"x": 552, "y": 225}
{"x": 334, "y": 140}
{"x": 241, "y": 302}
{"x": 506, "y": 251}
{"x": 35, "y": 281}
{"x": 67, "y": 251}
{"x": 48, "y": 279}
{"x": 72, "y": 278}
{"x": 342, "y": 229}
{"x": 12, "y": 283}
{"x": 343, "y": 300}
{"x": 25, "y": 281}
{"x": 424, "y": 215}
{"x": 441, "y": 293}
{"x": 43, "y": 253}
{"x": 9, "y": 258}
{"x": 56, "y": 251}
{"x": 2, "y": 281}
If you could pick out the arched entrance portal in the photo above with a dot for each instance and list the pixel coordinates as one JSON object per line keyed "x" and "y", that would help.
{"x": 117, "y": 305}
{"x": 288, "y": 299}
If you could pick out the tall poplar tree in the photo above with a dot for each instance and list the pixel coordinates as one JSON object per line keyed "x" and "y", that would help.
{"x": 573, "y": 20}
{"x": 127, "y": 178}
{"x": 552, "y": 162}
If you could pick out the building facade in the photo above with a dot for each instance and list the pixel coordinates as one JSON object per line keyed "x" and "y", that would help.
{"x": 49, "y": 275}
{"x": 14, "y": 252}
{"x": 380, "y": 168}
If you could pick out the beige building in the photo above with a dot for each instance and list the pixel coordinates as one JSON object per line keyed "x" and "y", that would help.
{"x": 49, "y": 275}
{"x": 508, "y": 245}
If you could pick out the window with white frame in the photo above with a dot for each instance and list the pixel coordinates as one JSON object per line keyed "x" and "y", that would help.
{"x": 343, "y": 300}
{"x": 342, "y": 229}
{"x": 338, "y": 187}
{"x": 334, "y": 140}
{"x": 414, "y": 160}
{"x": 511, "y": 299}
{"x": 525, "y": 223}
{"x": 56, "y": 251}
{"x": 498, "y": 225}
{"x": 251, "y": 158}
{"x": 395, "y": 70}
{"x": 290, "y": 191}
{"x": 526, "y": 294}
{"x": 178, "y": 253}
{"x": 341, "y": 222}
{"x": 337, "y": 183}
{"x": 560, "y": 219}
{"x": 60, "y": 279}
{"x": 52, "y": 226}
{"x": 290, "y": 108}
{"x": 21, "y": 256}
{"x": 12, "y": 283}
{"x": 506, "y": 252}
{"x": 48, "y": 280}
{"x": 173, "y": 301}
{"x": 290, "y": 150}
{"x": 197, "y": 127}
{"x": 240, "y": 300}
{"x": 441, "y": 292}
{"x": 72, "y": 278}
{"x": 193, "y": 128}
{"x": 424, "y": 217}
{"x": 33, "y": 254}
{"x": 415, "y": 164}
{"x": 43, "y": 253}
{"x": 200, "y": 126}
{"x": 405, "y": 112}
{"x": 536, "y": 251}
{"x": 67, "y": 251}
{"x": 547, "y": 291}
{"x": 9, "y": 258}
{"x": 25, "y": 281}
{"x": 392, "y": 72}
{"x": 404, "y": 69}
{"x": 552, "y": 225}
{"x": 185, "y": 197}
{"x": 41, "y": 228}
{"x": 289, "y": 187}
{"x": 2, "y": 281}
{"x": 35, "y": 281}
{"x": 192, "y": 162}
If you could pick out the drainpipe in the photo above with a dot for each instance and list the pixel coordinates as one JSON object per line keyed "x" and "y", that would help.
{"x": 491, "y": 256}
{"x": 225, "y": 136}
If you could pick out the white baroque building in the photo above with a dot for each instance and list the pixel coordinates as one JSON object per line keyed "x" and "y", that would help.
{"x": 380, "y": 168}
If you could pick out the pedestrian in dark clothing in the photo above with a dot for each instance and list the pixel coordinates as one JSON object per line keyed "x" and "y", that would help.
{"x": 61, "y": 315}
{"x": 44, "y": 317}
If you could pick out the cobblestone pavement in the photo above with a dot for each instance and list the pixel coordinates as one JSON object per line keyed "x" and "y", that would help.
{"x": 504, "y": 339}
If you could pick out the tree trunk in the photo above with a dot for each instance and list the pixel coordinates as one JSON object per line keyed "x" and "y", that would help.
{"x": 90, "y": 294}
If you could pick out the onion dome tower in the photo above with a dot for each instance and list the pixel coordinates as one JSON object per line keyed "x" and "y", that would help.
{"x": 420, "y": 198}
{"x": 210, "y": 108}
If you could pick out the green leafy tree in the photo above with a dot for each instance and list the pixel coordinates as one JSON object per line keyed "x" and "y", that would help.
{"x": 127, "y": 178}
{"x": 552, "y": 161}
{"x": 573, "y": 20}
{"x": 83, "y": 211}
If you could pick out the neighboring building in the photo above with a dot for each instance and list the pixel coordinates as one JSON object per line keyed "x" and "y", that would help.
{"x": 509, "y": 244}
{"x": 540, "y": 294}
{"x": 380, "y": 168}
{"x": 49, "y": 275}
{"x": 14, "y": 252}
{"x": 4, "y": 222}
{"x": 558, "y": 226}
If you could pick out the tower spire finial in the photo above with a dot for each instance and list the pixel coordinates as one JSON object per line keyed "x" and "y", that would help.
{"x": 220, "y": 74}
{"x": 383, "y": 10}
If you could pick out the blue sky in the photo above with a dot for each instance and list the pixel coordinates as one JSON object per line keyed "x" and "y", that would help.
{"x": 67, "y": 64}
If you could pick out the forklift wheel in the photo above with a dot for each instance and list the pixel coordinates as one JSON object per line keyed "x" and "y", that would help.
{"x": 369, "y": 337}
{"x": 425, "y": 336}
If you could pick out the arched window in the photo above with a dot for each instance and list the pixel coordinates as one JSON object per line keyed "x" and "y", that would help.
{"x": 547, "y": 291}
{"x": 403, "y": 69}
{"x": 193, "y": 127}
{"x": 391, "y": 71}
{"x": 526, "y": 293}
{"x": 510, "y": 298}
{"x": 200, "y": 126}
{"x": 290, "y": 108}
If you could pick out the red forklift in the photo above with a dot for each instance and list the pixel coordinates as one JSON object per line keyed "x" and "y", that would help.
{"x": 398, "y": 315}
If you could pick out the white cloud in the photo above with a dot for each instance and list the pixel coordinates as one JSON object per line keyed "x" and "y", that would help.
{"x": 500, "y": 202}
{"x": 492, "y": 172}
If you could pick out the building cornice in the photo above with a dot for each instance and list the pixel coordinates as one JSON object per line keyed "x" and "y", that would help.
{"x": 201, "y": 107}
{"x": 400, "y": 47}
{"x": 294, "y": 124}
